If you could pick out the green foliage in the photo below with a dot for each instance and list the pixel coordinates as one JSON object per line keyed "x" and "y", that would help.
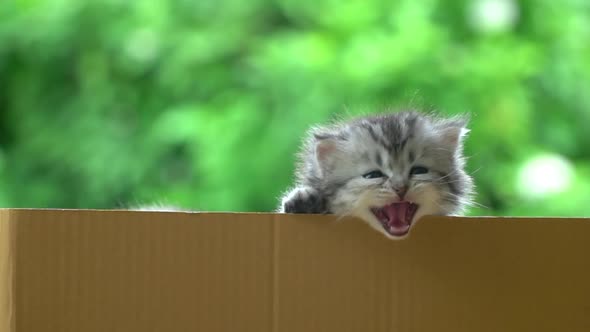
{"x": 203, "y": 103}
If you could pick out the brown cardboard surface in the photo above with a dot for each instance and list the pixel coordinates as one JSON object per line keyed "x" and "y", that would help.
{"x": 6, "y": 272}
{"x": 150, "y": 271}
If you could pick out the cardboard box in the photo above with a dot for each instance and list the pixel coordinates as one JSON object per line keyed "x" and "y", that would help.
{"x": 83, "y": 271}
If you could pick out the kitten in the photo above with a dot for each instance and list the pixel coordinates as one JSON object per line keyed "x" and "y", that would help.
{"x": 388, "y": 170}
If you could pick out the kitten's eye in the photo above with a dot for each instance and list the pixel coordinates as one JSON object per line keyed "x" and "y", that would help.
{"x": 373, "y": 175}
{"x": 418, "y": 170}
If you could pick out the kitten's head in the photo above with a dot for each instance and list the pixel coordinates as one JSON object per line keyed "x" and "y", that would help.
{"x": 390, "y": 169}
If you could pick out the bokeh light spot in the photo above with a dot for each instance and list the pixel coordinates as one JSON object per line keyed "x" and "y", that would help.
{"x": 545, "y": 175}
{"x": 492, "y": 16}
{"x": 143, "y": 46}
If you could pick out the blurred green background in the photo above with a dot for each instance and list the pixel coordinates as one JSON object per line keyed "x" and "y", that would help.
{"x": 105, "y": 104}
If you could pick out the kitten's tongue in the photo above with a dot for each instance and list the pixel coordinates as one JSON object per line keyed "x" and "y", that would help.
{"x": 397, "y": 217}
{"x": 397, "y": 214}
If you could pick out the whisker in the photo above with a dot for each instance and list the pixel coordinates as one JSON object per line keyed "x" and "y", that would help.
{"x": 447, "y": 175}
{"x": 477, "y": 170}
{"x": 471, "y": 203}
{"x": 435, "y": 202}
{"x": 448, "y": 182}
{"x": 441, "y": 149}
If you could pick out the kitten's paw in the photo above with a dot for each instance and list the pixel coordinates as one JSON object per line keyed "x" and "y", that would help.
{"x": 303, "y": 200}
{"x": 157, "y": 208}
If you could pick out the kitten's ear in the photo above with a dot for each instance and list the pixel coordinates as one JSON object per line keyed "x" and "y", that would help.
{"x": 454, "y": 131}
{"x": 326, "y": 150}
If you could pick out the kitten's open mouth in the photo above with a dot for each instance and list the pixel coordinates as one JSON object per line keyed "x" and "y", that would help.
{"x": 396, "y": 218}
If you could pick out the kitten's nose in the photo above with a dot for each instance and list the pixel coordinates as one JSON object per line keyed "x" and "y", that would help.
{"x": 401, "y": 191}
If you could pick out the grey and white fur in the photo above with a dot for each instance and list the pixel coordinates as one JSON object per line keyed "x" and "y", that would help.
{"x": 352, "y": 167}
